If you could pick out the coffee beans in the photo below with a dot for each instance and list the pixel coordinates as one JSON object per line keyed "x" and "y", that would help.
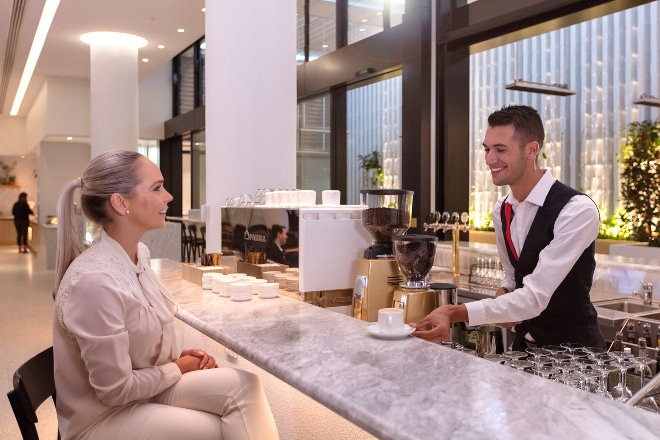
{"x": 385, "y": 223}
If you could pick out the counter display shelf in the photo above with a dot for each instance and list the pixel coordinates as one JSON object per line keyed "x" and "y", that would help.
{"x": 398, "y": 389}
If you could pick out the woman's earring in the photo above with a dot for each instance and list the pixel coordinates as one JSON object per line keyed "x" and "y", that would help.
{"x": 127, "y": 212}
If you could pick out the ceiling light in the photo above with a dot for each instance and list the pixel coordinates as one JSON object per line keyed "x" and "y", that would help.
{"x": 535, "y": 87}
{"x": 646, "y": 99}
{"x": 145, "y": 60}
{"x": 203, "y": 9}
{"x": 47, "y": 15}
{"x": 161, "y": 46}
{"x": 181, "y": 30}
{"x": 113, "y": 39}
{"x": 69, "y": 138}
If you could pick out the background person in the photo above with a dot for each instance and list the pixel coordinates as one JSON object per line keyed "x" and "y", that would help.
{"x": 22, "y": 212}
{"x": 547, "y": 248}
{"x": 118, "y": 372}
{"x": 278, "y": 237}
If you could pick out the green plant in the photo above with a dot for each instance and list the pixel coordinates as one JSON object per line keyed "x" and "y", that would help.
{"x": 7, "y": 169}
{"x": 372, "y": 167}
{"x": 640, "y": 180}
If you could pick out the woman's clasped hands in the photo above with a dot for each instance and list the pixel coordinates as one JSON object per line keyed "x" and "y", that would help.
{"x": 195, "y": 359}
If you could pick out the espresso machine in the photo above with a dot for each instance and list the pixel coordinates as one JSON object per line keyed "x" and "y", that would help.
{"x": 415, "y": 255}
{"x": 387, "y": 215}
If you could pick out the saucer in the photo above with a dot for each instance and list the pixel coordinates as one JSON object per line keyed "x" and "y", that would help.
{"x": 375, "y": 331}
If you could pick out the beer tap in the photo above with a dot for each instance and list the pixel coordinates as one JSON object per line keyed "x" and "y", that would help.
{"x": 446, "y": 222}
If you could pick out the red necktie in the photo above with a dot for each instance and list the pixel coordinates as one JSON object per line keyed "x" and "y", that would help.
{"x": 508, "y": 216}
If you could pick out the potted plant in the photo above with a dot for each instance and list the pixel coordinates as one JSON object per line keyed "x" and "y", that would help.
{"x": 372, "y": 176}
{"x": 8, "y": 178}
{"x": 640, "y": 181}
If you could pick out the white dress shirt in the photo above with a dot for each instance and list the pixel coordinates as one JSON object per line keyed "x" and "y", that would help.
{"x": 575, "y": 229}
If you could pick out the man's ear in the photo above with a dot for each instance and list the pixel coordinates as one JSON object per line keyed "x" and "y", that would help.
{"x": 533, "y": 148}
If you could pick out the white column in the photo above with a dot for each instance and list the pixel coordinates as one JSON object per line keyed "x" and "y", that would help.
{"x": 114, "y": 92}
{"x": 250, "y": 102}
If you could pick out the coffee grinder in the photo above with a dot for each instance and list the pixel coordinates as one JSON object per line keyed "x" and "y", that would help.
{"x": 415, "y": 255}
{"x": 387, "y": 214}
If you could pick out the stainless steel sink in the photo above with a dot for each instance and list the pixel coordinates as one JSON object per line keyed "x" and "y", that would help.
{"x": 627, "y": 306}
{"x": 654, "y": 316}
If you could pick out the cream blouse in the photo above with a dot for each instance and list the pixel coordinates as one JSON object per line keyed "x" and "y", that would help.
{"x": 113, "y": 336}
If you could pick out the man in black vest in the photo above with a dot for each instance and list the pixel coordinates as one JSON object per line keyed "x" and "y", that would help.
{"x": 545, "y": 233}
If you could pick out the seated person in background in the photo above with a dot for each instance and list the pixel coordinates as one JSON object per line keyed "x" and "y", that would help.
{"x": 278, "y": 237}
{"x": 119, "y": 373}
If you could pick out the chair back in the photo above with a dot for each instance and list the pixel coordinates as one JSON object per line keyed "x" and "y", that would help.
{"x": 34, "y": 382}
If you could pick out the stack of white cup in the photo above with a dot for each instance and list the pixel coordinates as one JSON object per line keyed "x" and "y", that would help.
{"x": 268, "y": 290}
{"x": 240, "y": 291}
{"x": 223, "y": 285}
{"x": 255, "y": 285}
{"x": 269, "y": 275}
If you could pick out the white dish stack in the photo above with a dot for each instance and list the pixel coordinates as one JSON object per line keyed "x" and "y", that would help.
{"x": 221, "y": 285}
{"x": 269, "y": 275}
{"x": 255, "y": 285}
{"x": 268, "y": 290}
{"x": 241, "y": 291}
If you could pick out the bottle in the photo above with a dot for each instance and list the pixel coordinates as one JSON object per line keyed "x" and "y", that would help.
{"x": 642, "y": 347}
{"x": 617, "y": 345}
{"x": 647, "y": 333}
{"x": 630, "y": 336}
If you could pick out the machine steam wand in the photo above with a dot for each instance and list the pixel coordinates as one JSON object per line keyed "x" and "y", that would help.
{"x": 446, "y": 222}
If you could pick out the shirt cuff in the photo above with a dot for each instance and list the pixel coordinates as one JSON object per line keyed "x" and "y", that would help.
{"x": 476, "y": 313}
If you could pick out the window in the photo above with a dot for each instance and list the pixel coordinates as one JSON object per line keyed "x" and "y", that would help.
{"x": 313, "y": 144}
{"x": 373, "y": 121}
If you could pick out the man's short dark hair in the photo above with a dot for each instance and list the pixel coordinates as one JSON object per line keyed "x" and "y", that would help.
{"x": 525, "y": 120}
{"x": 275, "y": 230}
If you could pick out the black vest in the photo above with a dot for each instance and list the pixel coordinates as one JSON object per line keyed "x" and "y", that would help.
{"x": 570, "y": 316}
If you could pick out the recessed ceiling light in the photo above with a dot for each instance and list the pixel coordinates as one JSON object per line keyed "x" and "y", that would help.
{"x": 364, "y": 20}
{"x": 113, "y": 39}
{"x": 181, "y": 30}
{"x": 324, "y": 46}
{"x": 47, "y": 15}
{"x": 161, "y": 46}
{"x": 145, "y": 60}
{"x": 362, "y": 29}
{"x": 203, "y": 9}
{"x": 69, "y": 138}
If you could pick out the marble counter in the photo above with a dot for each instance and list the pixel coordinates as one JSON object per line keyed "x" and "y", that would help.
{"x": 401, "y": 389}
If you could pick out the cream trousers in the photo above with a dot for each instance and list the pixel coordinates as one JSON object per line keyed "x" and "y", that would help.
{"x": 220, "y": 403}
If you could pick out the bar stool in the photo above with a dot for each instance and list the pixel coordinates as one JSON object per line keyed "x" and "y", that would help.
{"x": 198, "y": 244}
{"x": 186, "y": 243}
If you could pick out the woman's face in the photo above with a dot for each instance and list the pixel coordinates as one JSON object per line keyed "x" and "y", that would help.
{"x": 147, "y": 209}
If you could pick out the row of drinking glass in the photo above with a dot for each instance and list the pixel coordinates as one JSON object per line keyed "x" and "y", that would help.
{"x": 486, "y": 271}
{"x": 586, "y": 368}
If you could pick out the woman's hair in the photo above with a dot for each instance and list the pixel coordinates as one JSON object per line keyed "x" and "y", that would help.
{"x": 22, "y": 197}
{"x": 110, "y": 172}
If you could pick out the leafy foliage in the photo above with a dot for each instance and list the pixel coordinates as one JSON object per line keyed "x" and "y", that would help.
{"x": 640, "y": 180}
{"x": 369, "y": 162}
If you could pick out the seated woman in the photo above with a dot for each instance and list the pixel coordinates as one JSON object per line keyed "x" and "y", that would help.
{"x": 118, "y": 372}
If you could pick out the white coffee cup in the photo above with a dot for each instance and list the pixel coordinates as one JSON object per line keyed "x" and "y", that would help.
{"x": 390, "y": 320}
{"x": 330, "y": 197}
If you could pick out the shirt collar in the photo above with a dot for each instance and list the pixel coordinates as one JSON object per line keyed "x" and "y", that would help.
{"x": 538, "y": 194}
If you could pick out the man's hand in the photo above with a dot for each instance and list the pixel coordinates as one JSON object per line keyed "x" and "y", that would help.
{"x": 435, "y": 326}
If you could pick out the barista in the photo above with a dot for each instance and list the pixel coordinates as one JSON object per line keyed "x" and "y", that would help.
{"x": 545, "y": 233}
{"x": 278, "y": 237}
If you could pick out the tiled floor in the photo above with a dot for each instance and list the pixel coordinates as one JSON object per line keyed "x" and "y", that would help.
{"x": 26, "y": 307}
